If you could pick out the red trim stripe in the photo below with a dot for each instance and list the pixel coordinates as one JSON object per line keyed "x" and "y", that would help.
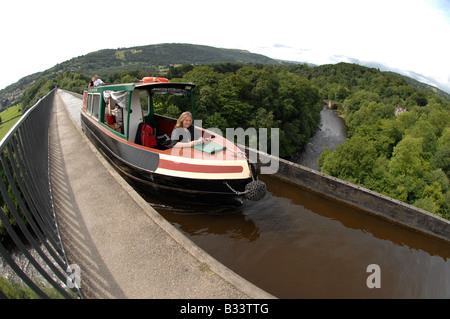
{"x": 194, "y": 168}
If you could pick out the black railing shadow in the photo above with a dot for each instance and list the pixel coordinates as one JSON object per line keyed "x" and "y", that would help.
{"x": 96, "y": 282}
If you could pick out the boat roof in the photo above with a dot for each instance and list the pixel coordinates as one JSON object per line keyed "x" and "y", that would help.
{"x": 176, "y": 88}
{"x": 154, "y": 87}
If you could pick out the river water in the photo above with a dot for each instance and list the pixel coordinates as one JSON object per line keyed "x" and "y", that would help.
{"x": 330, "y": 133}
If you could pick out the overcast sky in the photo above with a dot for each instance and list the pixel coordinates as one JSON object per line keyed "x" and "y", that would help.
{"x": 406, "y": 36}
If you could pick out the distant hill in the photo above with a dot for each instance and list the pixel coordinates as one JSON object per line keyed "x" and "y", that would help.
{"x": 421, "y": 85}
{"x": 150, "y": 58}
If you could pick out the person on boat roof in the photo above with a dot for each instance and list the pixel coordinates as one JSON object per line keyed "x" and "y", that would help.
{"x": 97, "y": 81}
{"x": 183, "y": 132}
{"x": 91, "y": 82}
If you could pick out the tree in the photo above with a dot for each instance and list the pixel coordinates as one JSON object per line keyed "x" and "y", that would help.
{"x": 442, "y": 159}
{"x": 384, "y": 135}
{"x": 424, "y": 130}
{"x": 369, "y": 114}
{"x": 407, "y": 159}
{"x": 426, "y": 204}
{"x": 216, "y": 121}
{"x": 405, "y": 120}
{"x": 352, "y": 161}
{"x": 440, "y": 120}
{"x": 356, "y": 100}
{"x": 419, "y": 98}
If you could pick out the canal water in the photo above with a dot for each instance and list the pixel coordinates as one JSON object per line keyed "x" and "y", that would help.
{"x": 297, "y": 244}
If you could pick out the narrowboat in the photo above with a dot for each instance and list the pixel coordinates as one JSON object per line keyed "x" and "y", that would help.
{"x": 214, "y": 173}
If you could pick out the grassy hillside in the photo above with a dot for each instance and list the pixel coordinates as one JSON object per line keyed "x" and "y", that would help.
{"x": 9, "y": 118}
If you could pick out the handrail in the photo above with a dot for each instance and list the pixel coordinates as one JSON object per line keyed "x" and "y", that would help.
{"x": 16, "y": 126}
{"x": 26, "y": 204}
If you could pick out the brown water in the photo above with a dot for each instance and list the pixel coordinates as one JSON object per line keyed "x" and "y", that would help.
{"x": 296, "y": 244}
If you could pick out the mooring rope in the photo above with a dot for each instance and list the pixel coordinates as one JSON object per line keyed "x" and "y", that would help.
{"x": 255, "y": 190}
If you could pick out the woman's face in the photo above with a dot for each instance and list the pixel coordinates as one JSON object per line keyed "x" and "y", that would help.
{"x": 187, "y": 122}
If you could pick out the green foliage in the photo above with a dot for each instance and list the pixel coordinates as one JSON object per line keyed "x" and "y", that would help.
{"x": 5, "y": 208}
{"x": 441, "y": 159}
{"x": 259, "y": 97}
{"x": 369, "y": 114}
{"x": 348, "y": 159}
{"x": 36, "y": 91}
{"x": 14, "y": 290}
{"x": 406, "y": 157}
{"x": 74, "y": 82}
{"x": 9, "y": 117}
{"x": 130, "y": 76}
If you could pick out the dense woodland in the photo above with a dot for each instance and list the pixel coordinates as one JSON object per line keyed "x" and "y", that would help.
{"x": 405, "y": 156}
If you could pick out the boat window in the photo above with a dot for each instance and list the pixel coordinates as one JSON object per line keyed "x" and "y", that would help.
{"x": 96, "y": 105}
{"x": 93, "y": 104}
{"x": 143, "y": 97}
{"x": 89, "y": 104}
{"x": 116, "y": 110}
{"x": 174, "y": 91}
{"x": 120, "y": 97}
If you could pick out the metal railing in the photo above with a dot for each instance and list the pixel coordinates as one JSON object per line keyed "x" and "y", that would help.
{"x": 26, "y": 206}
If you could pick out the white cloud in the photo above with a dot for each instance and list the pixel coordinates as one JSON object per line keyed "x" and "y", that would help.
{"x": 402, "y": 35}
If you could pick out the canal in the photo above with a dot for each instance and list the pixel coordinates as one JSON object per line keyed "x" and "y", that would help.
{"x": 296, "y": 244}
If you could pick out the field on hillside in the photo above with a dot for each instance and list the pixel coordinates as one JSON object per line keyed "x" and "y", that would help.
{"x": 9, "y": 117}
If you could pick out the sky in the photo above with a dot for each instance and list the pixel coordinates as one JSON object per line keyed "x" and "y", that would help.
{"x": 410, "y": 37}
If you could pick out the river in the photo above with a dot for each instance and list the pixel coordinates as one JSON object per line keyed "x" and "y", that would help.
{"x": 330, "y": 133}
